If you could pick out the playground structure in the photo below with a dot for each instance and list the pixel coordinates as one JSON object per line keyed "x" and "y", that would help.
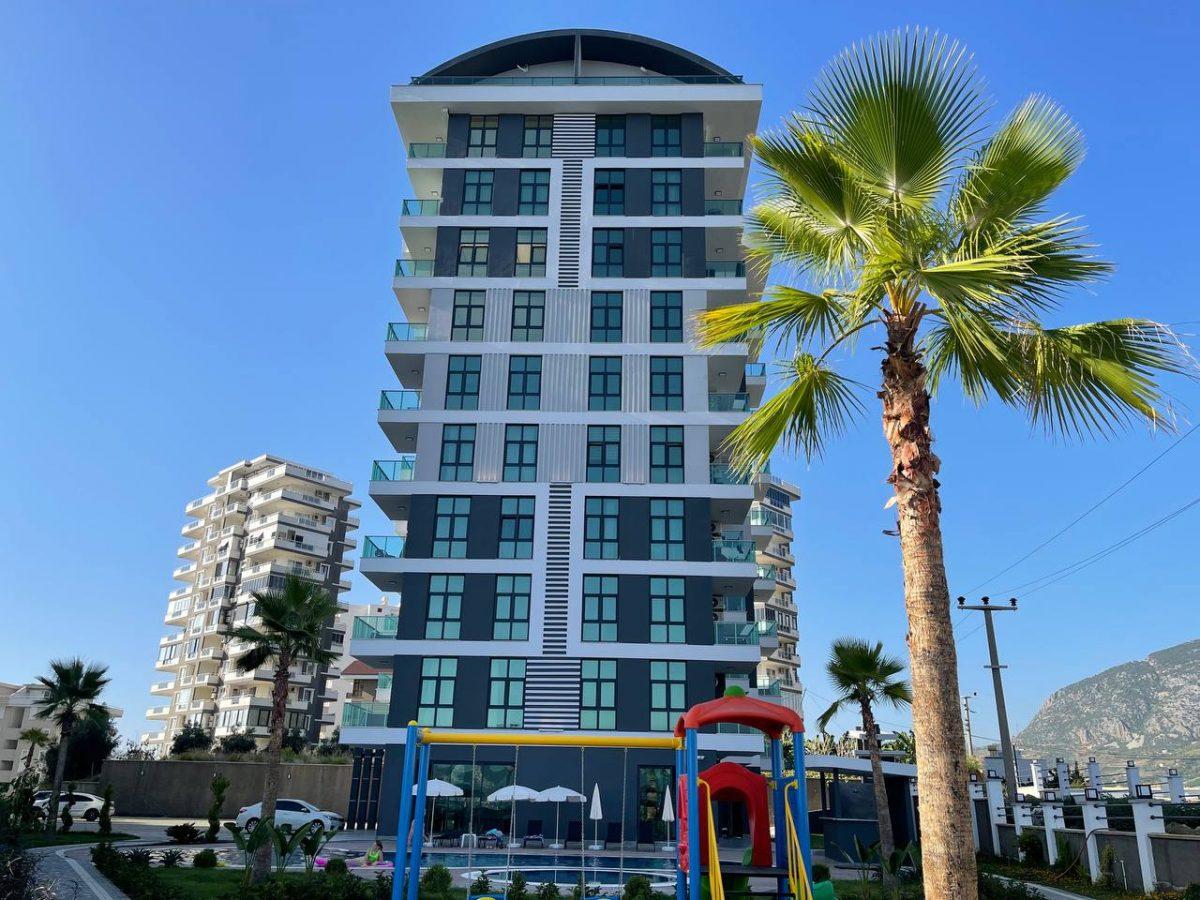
{"x": 699, "y": 871}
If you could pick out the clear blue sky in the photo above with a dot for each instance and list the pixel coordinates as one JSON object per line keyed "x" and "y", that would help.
{"x": 198, "y": 211}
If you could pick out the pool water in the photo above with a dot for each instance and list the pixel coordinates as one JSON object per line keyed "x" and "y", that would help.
{"x": 523, "y": 861}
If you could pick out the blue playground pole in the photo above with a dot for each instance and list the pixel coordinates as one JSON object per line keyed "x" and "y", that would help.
{"x": 691, "y": 749}
{"x": 418, "y": 826}
{"x": 680, "y": 881}
{"x": 406, "y": 792}
{"x": 780, "y": 791}
{"x": 800, "y": 805}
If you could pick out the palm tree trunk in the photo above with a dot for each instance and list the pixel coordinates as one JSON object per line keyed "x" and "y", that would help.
{"x": 947, "y": 852}
{"x": 29, "y": 755}
{"x": 279, "y": 692}
{"x": 60, "y": 768}
{"x": 883, "y": 813}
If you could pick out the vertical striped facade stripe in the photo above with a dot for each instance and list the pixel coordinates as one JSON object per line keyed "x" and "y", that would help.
{"x": 574, "y": 140}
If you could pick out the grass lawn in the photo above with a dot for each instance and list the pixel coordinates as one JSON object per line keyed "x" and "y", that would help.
{"x": 1070, "y": 883}
{"x": 209, "y": 884}
{"x": 34, "y": 840}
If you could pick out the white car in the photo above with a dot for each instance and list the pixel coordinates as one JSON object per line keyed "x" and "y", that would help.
{"x": 296, "y": 813}
{"x": 83, "y": 806}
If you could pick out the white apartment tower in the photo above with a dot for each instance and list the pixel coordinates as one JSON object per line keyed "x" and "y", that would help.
{"x": 262, "y": 519}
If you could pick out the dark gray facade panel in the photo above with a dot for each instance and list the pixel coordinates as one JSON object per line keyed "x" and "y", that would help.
{"x": 445, "y": 260}
{"x": 419, "y": 543}
{"x": 698, "y": 592}
{"x": 633, "y": 537}
{"x": 483, "y": 532}
{"x": 452, "y": 191}
{"x": 637, "y": 192}
{"x": 637, "y": 135}
{"x": 505, "y": 184}
{"x": 693, "y": 192}
{"x": 633, "y": 609}
{"x": 697, "y": 535}
{"x": 458, "y": 129}
{"x": 694, "y": 250}
{"x": 637, "y": 253}
{"x": 502, "y": 252}
{"x": 510, "y": 136}
{"x": 691, "y": 134}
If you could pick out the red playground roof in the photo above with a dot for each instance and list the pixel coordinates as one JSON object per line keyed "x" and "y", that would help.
{"x": 769, "y": 718}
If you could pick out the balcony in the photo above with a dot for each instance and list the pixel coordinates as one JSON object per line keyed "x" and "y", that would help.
{"x": 734, "y": 603}
{"x": 408, "y": 331}
{"x": 427, "y": 151}
{"x": 362, "y": 714}
{"x": 723, "y": 148}
{"x": 776, "y": 520}
{"x": 733, "y": 551}
{"x": 162, "y": 687}
{"x": 723, "y": 473}
{"x": 741, "y": 634}
{"x": 414, "y": 268}
{"x": 722, "y": 207}
{"x": 374, "y": 628}
{"x": 389, "y": 546}
{"x": 158, "y": 712}
{"x": 399, "y": 400}
{"x": 756, "y": 370}
{"x": 394, "y": 469}
{"x": 770, "y": 687}
{"x": 420, "y": 207}
{"x": 768, "y": 573}
{"x": 739, "y": 402}
{"x": 724, "y": 268}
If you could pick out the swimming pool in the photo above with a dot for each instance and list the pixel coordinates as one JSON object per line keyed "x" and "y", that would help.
{"x": 458, "y": 860}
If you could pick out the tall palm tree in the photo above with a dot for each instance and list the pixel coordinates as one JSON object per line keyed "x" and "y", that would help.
{"x": 35, "y": 738}
{"x": 889, "y": 199}
{"x": 294, "y": 619}
{"x": 72, "y": 690}
{"x": 866, "y": 677}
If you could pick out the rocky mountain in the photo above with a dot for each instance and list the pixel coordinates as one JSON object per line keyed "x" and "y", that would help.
{"x": 1147, "y": 710}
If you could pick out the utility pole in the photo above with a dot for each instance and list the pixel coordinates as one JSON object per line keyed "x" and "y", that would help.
{"x": 967, "y": 721}
{"x": 1006, "y": 747}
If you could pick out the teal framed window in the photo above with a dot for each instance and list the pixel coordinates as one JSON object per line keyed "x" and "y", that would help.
{"x": 528, "y": 315}
{"x": 666, "y": 317}
{"x": 666, "y": 454}
{"x": 538, "y": 137}
{"x": 451, "y": 518}
{"x": 599, "y": 608}
{"x": 506, "y": 694}
{"x": 666, "y": 529}
{"x": 481, "y": 135}
{"x": 604, "y": 453}
{"x": 666, "y": 192}
{"x": 606, "y": 319}
{"x": 462, "y": 382}
{"x": 608, "y": 193}
{"x": 458, "y": 453}
{"x": 666, "y": 136}
{"x": 477, "y": 192}
{"x": 516, "y": 528}
{"x": 473, "y": 252}
{"x": 511, "y": 620}
{"x": 667, "y": 611}
{"x": 520, "y": 452}
{"x": 604, "y": 383}
{"x": 531, "y": 253}
{"x": 466, "y": 317}
{"x": 668, "y": 693}
{"x": 666, "y": 383}
{"x": 601, "y": 527}
{"x": 610, "y": 135}
{"x": 524, "y": 382}
{"x": 666, "y": 253}
{"x": 435, "y": 695}
{"x": 598, "y": 700}
{"x": 443, "y": 619}
{"x": 533, "y": 197}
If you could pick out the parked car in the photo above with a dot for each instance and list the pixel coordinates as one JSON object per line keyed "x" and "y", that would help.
{"x": 83, "y": 806}
{"x": 297, "y": 813}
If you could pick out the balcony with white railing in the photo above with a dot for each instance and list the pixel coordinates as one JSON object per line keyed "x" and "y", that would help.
{"x": 162, "y": 687}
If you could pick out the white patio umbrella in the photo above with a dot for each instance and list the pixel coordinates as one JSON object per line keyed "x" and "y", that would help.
{"x": 435, "y": 788}
{"x": 511, "y": 794}
{"x": 596, "y": 814}
{"x": 558, "y": 795}
{"x": 668, "y": 816}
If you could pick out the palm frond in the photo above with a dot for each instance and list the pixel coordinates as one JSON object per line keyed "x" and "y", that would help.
{"x": 816, "y": 404}
{"x": 971, "y": 345}
{"x": 1056, "y": 256}
{"x": 255, "y": 658}
{"x": 833, "y": 709}
{"x": 788, "y": 311}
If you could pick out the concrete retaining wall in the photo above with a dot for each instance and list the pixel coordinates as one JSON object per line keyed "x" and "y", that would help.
{"x": 1176, "y": 859}
{"x": 180, "y": 788}
{"x": 1127, "y": 870}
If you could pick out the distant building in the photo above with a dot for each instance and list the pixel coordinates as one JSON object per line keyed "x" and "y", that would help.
{"x": 349, "y": 679}
{"x": 17, "y": 714}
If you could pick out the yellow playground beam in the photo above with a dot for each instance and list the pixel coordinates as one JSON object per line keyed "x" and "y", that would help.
{"x": 429, "y": 736}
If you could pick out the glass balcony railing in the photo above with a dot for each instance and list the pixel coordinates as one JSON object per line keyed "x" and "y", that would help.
{"x": 724, "y": 268}
{"x": 390, "y": 546}
{"x": 723, "y": 148}
{"x": 399, "y": 399}
{"x": 408, "y": 331}
{"x": 722, "y": 207}
{"x": 364, "y": 713}
{"x": 733, "y": 603}
{"x": 760, "y": 516}
{"x": 414, "y": 268}
{"x": 729, "y": 402}
{"x": 394, "y": 469}
{"x": 723, "y": 473}
{"x": 756, "y": 370}
{"x": 420, "y": 207}
{"x": 771, "y": 687}
{"x": 374, "y": 627}
{"x": 558, "y": 80}
{"x": 427, "y": 151}
{"x": 742, "y": 634}
{"x": 766, "y": 629}
{"x": 733, "y": 551}
{"x": 767, "y": 572}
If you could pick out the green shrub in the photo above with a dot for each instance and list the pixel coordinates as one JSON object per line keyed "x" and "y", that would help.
{"x": 1032, "y": 848}
{"x": 638, "y": 888}
{"x": 170, "y": 859}
{"x": 996, "y": 889}
{"x": 336, "y": 866}
{"x": 517, "y": 887}
{"x": 186, "y": 833}
{"x": 205, "y": 859}
{"x": 436, "y": 881}
{"x": 547, "y": 890}
{"x": 131, "y": 872}
{"x": 480, "y": 885}
{"x": 18, "y": 873}
{"x": 820, "y": 872}
{"x": 218, "y": 787}
{"x": 106, "y": 810}
{"x": 65, "y": 816}
{"x": 1192, "y": 892}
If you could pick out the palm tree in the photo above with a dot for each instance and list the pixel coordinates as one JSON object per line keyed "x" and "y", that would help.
{"x": 70, "y": 698}
{"x": 864, "y": 675}
{"x": 294, "y": 619}
{"x": 909, "y": 221}
{"x": 35, "y": 738}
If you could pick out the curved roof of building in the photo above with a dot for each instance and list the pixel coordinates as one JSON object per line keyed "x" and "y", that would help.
{"x": 595, "y": 45}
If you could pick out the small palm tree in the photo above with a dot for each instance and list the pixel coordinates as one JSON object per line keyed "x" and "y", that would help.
{"x": 36, "y": 738}
{"x": 866, "y": 677}
{"x": 72, "y": 690}
{"x": 909, "y": 221}
{"x": 294, "y": 619}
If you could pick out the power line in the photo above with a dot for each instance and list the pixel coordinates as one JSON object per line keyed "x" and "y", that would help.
{"x": 1132, "y": 478}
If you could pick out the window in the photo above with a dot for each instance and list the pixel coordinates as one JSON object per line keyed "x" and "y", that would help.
{"x": 539, "y": 136}
{"x": 666, "y": 383}
{"x": 598, "y": 703}
{"x": 436, "y": 697}
{"x": 778, "y": 498}
{"x": 462, "y": 382}
{"x": 666, "y": 529}
{"x": 481, "y": 138}
{"x": 599, "y": 607}
{"x": 601, "y": 527}
{"x": 506, "y": 694}
{"x": 608, "y": 252}
{"x": 450, "y": 527}
{"x": 534, "y": 196}
{"x": 604, "y": 383}
{"x": 610, "y": 135}
{"x": 668, "y": 690}
{"x": 666, "y": 192}
{"x": 666, "y": 316}
{"x": 665, "y": 136}
{"x": 458, "y": 453}
{"x": 516, "y": 528}
{"x": 666, "y": 454}
{"x": 511, "y": 622}
{"x": 608, "y": 198}
{"x": 477, "y": 192}
{"x": 531, "y": 252}
{"x": 654, "y": 783}
{"x": 529, "y": 315}
{"x": 466, "y": 322}
{"x": 444, "y": 619}
{"x": 524, "y": 382}
{"x": 666, "y": 611}
{"x": 604, "y": 453}
{"x": 666, "y": 253}
{"x": 520, "y": 452}
{"x": 473, "y": 251}
{"x": 606, "y": 316}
